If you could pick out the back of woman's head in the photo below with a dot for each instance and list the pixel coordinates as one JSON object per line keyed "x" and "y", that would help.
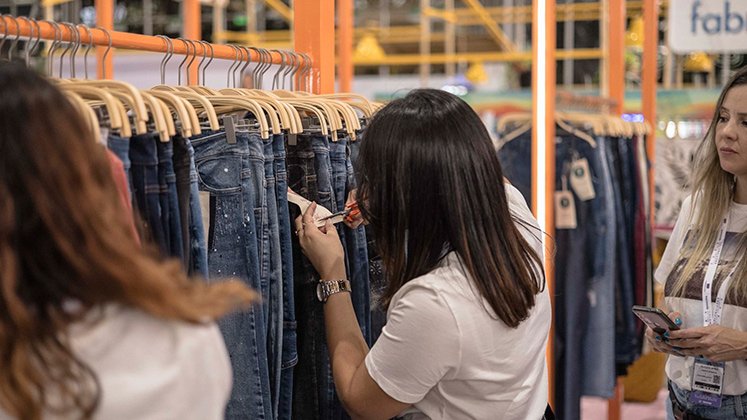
{"x": 430, "y": 181}
{"x": 65, "y": 248}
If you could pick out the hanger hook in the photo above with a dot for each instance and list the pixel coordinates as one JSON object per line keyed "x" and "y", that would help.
{"x": 246, "y": 64}
{"x": 181, "y": 65}
{"x": 281, "y": 67}
{"x": 38, "y": 37}
{"x": 194, "y": 56}
{"x": 236, "y": 59}
{"x": 76, "y": 47}
{"x": 212, "y": 56}
{"x": 27, "y": 43}
{"x": 67, "y": 48}
{"x": 202, "y": 60}
{"x": 5, "y": 33}
{"x": 15, "y": 41}
{"x": 261, "y": 69}
{"x": 290, "y": 69}
{"x": 166, "y": 57}
{"x": 53, "y": 47}
{"x": 88, "y": 48}
{"x": 308, "y": 65}
{"x": 296, "y": 68}
{"x": 253, "y": 72}
{"x": 108, "y": 48}
{"x": 238, "y": 65}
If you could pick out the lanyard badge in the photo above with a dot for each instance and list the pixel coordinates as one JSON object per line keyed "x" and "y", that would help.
{"x": 707, "y": 376}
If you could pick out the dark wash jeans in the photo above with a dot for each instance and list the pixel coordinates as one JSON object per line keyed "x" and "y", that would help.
{"x": 194, "y": 246}
{"x": 289, "y": 357}
{"x": 170, "y": 217}
{"x": 120, "y": 146}
{"x": 146, "y": 188}
{"x": 585, "y": 272}
{"x": 314, "y": 395}
{"x": 229, "y": 173}
{"x": 274, "y": 274}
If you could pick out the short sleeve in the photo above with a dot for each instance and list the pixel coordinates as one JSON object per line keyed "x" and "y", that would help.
{"x": 419, "y": 345}
{"x": 674, "y": 245}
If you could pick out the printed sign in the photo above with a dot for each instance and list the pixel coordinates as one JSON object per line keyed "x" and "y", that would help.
{"x": 708, "y": 26}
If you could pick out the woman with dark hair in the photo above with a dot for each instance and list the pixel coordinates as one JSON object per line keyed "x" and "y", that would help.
{"x": 91, "y": 324}
{"x": 468, "y": 311}
{"x": 704, "y": 272}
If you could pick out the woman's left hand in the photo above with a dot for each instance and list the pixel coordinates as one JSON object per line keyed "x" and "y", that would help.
{"x": 715, "y": 343}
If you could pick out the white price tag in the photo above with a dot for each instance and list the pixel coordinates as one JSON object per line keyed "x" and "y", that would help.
{"x": 565, "y": 210}
{"x": 581, "y": 180}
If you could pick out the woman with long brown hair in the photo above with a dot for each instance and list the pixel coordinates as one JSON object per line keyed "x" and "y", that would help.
{"x": 91, "y": 323}
{"x": 468, "y": 311}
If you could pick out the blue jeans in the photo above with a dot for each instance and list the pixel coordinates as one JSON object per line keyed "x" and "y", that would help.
{"x": 275, "y": 327}
{"x": 120, "y": 146}
{"x": 170, "y": 217}
{"x": 190, "y": 213}
{"x": 732, "y": 406}
{"x": 313, "y": 390}
{"x": 354, "y": 240}
{"x": 289, "y": 347}
{"x": 146, "y": 189}
{"x": 516, "y": 162}
{"x": 229, "y": 173}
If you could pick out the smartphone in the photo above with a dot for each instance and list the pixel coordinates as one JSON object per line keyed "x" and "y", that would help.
{"x": 655, "y": 318}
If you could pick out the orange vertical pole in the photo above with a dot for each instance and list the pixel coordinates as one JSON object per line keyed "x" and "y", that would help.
{"x": 648, "y": 93}
{"x": 616, "y": 62}
{"x": 543, "y": 143}
{"x": 314, "y": 34}
{"x": 192, "y": 30}
{"x": 104, "y": 20}
{"x": 345, "y": 22}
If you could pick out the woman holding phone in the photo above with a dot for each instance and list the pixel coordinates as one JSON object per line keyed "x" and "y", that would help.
{"x": 468, "y": 311}
{"x": 705, "y": 273}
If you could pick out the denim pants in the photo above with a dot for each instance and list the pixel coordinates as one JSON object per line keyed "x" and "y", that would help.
{"x": 146, "y": 189}
{"x": 274, "y": 274}
{"x": 354, "y": 240}
{"x": 516, "y": 161}
{"x": 194, "y": 246}
{"x": 228, "y": 172}
{"x": 121, "y": 147}
{"x": 170, "y": 217}
{"x": 733, "y": 407}
{"x": 313, "y": 390}
{"x": 289, "y": 357}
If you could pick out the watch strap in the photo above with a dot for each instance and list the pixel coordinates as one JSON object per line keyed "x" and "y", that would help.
{"x": 327, "y": 288}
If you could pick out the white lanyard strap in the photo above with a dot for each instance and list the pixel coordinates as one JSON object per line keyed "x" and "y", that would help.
{"x": 712, "y": 312}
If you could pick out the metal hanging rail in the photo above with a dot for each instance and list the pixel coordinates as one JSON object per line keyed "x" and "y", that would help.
{"x": 101, "y": 37}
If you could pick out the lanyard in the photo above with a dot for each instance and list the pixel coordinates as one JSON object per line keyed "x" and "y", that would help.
{"x": 712, "y": 310}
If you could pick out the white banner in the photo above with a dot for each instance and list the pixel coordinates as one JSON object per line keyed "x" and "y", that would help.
{"x": 708, "y": 26}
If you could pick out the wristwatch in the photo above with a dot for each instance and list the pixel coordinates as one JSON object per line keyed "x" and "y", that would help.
{"x": 327, "y": 288}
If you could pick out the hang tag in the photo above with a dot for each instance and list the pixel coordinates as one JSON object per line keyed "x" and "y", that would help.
{"x": 565, "y": 210}
{"x": 320, "y": 214}
{"x": 581, "y": 180}
{"x": 292, "y": 139}
{"x": 230, "y": 126}
{"x": 707, "y": 383}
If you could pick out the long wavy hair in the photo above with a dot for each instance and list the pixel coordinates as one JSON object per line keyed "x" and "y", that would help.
{"x": 430, "y": 181}
{"x": 65, "y": 249}
{"x": 712, "y": 194}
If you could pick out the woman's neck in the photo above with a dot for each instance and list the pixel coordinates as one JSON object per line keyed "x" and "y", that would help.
{"x": 740, "y": 190}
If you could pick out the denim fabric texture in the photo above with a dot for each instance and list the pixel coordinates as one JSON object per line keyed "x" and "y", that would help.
{"x": 146, "y": 189}
{"x": 121, "y": 147}
{"x": 275, "y": 301}
{"x": 289, "y": 355}
{"x": 230, "y": 173}
{"x": 733, "y": 407}
{"x": 170, "y": 217}
{"x": 194, "y": 245}
{"x": 515, "y": 157}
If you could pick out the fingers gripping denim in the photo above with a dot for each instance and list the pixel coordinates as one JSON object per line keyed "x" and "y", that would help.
{"x": 229, "y": 172}
{"x": 289, "y": 350}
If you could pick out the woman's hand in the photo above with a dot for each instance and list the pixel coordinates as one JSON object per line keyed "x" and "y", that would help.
{"x": 354, "y": 219}
{"x": 662, "y": 343}
{"x": 322, "y": 247}
{"x": 715, "y": 343}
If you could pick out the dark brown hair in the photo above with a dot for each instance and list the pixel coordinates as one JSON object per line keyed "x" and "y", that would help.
{"x": 63, "y": 240}
{"x": 430, "y": 181}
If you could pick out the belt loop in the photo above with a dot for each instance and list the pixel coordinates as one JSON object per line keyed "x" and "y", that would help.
{"x": 738, "y": 406}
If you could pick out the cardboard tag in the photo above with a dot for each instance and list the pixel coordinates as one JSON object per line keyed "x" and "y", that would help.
{"x": 565, "y": 210}
{"x": 292, "y": 139}
{"x": 581, "y": 180}
{"x": 204, "y": 198}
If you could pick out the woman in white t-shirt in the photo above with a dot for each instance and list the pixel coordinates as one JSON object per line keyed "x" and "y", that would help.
{"x": 707, "y": 366}
{"x": 91, "y": 324}
{"x": 468, "y": 311}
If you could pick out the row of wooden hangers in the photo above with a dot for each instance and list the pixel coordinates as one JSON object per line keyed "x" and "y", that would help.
{"x": 187, "y": 110}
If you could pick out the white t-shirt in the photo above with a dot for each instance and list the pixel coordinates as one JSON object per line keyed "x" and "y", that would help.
{"x": 679, "y": 369}
{"x": 444, "y": 350}
{"x": 152, "y": 369}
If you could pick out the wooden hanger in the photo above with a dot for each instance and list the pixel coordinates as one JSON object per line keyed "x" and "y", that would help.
{"x": 87, "y": 112}
{"x": 116, "y": 115}
{"x": 178, "y": 108}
